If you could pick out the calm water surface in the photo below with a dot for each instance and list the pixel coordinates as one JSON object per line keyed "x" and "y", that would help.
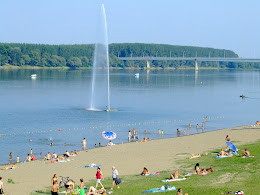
{"x": 57, "y": 99}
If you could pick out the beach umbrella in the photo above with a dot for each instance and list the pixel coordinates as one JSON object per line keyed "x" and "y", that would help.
{"x": 231, "y": 146}
{"x": 109, "y": 135}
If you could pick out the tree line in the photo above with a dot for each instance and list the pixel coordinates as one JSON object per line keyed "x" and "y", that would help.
{"x": 73, "y": 56}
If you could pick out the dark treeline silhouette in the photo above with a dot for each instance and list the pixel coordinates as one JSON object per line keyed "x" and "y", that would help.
{"x": 73, "y": 56}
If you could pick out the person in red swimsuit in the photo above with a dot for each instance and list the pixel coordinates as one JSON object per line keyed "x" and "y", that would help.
{"x": 99, "y": 174}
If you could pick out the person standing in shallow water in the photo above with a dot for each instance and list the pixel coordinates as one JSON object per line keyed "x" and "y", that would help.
{"x": 84, "y": 143}
{"x": 129, "y": 135}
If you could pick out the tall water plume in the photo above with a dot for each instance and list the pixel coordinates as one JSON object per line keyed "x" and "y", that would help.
{"x": 100, "y": 93}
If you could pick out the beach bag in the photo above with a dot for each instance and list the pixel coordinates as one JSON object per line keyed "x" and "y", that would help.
{"x": 118, "y": 181}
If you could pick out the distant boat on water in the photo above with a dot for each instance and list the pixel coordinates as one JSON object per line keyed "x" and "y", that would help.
{"x": 136, "y": 74}
{"x": 33, "y": 75}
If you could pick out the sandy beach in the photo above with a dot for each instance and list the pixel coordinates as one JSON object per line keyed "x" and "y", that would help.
{"x": 129, "y": 159}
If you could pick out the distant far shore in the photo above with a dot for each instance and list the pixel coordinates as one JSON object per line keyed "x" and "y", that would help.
{"x": 114, "y": 68}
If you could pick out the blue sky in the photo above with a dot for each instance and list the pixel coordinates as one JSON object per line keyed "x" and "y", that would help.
{"x": 227, "y": 24}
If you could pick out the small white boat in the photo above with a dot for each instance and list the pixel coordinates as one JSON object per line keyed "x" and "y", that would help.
{"x": 136, "y": 74}
{"x": 33, "y": 75}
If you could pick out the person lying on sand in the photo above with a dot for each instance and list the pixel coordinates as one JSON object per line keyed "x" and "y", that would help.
{"x": 70, "y": 185}
{"x": 7, "y": 168}
{"x": 246, "y": 153}
{"x": 175, "y": 175}
{"x": 94, "y": 191}
{"x": 194, "y": 156}
{"x": 145, "y": 172}
{"x": 222, "y": 153}
{"x": 145, "y": 139}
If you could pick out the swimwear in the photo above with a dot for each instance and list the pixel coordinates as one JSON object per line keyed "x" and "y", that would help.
{"x": 54, "y": 193}
{"x": 1, "y": 191}
{"x": 67, "y": 186}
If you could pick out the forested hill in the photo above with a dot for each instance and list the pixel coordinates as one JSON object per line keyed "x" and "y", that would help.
{"x": 82, "y": 55}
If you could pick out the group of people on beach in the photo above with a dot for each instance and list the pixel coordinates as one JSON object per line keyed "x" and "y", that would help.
{"x": 70, "y": 184}
{"x": 52, "y": 158}
{"x": 229, "y": 152}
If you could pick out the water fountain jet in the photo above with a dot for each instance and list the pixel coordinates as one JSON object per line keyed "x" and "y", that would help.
{"x": 100, "y": 74}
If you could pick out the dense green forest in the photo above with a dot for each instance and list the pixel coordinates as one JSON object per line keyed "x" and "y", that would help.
{"x": 75, "y": 56}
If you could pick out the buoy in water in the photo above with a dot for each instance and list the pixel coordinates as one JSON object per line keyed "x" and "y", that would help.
{"x": 59, "y": 129}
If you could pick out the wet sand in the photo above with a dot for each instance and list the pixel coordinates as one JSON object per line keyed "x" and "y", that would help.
{"x": 129, "y": 159}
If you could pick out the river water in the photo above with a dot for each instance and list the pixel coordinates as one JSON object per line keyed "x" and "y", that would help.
{"x": 37, "y": 108}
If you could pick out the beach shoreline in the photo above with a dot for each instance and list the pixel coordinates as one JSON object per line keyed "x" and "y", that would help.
{"x": 129, "y": 158}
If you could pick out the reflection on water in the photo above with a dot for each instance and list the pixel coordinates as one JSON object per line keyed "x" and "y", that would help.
{"x": 57, "y": 99}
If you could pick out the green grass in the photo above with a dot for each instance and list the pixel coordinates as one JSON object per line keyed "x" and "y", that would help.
{"x": 231, "y": 174}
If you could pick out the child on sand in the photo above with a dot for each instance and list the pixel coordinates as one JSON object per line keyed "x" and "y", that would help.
{"x": 17, "y": 159}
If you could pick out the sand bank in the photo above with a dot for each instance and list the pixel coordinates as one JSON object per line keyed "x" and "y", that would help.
{"x": 129, "y": 158}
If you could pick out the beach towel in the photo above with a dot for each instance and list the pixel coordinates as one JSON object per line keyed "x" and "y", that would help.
{"x": 157, "y": 173}
{"x": 222, "y": 156}
{"x": 247, "y": 156}
{"x": 162, "y": 189}
{"x": 64, "y": 192}
{"x": 170, "y": 180}
{"x": 93, "y": 165}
